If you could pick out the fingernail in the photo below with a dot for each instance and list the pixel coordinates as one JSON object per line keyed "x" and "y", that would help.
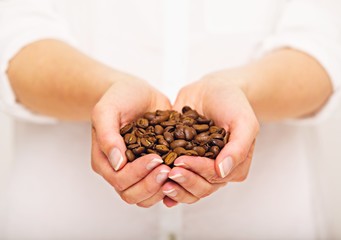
{"x": 180, "y": 164}
{"x": 115, "y": 158}
{"x": 225, "y": 166}
{"x": 178, "y": 178}
{"x": 171, "y": 192}
{"x": 162, "y": 176}
{"x": 153, "y": 163}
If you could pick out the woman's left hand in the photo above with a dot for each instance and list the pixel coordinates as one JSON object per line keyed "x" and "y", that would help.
{"x": 219, "y": 98}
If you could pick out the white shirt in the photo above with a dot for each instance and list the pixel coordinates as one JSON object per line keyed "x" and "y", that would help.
{"x": 55, "y": 195}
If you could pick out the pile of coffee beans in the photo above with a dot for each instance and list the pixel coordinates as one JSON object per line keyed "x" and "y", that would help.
{"x": 171, "y": 134}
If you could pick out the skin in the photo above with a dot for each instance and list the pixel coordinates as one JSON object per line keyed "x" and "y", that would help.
{"x": 52, "y": 78}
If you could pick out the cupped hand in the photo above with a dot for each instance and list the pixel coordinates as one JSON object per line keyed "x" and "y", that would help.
{"x": 137, "y": 182}
{"x": 218, "y": 97}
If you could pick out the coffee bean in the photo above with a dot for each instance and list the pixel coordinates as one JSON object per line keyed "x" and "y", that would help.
{"x": 191, "y": 153}
{"x": 178, "y": 143}
{"x": 186, "y": 109}
{"x": 168, "y": 123}
{"x": 142, "y": 122}
{"x": 170, "y": 134}
{"x": 201, "y": 127}
{"x": 200, "y": 150}
{"x": 130, "y": 155}
{"x": 217, "y": 136}
{"x": 162, "y": 149}
{"x": 132, "y": 146}
{"x": 218, "y": 143}
{"x": 139, "y": 150}
{"x": 129, "y": 139}
{"x": 192, "y": 114}
{"x": 146, "y": 142}
{"x": 170, "y": 158}
{"x": 158, "y": 129}
{"x": 127, "y": 128}
{"x": 179, "y": 132}
{"x": 168, "y": 137}
{"x": 149, "y": 115}
{"x": 215, "y": 150}
{"x": 190, "y": 133}
{"x": 140, "y": 132}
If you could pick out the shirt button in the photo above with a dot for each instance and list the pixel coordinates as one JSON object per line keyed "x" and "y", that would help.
{"x": 171, "y": 236}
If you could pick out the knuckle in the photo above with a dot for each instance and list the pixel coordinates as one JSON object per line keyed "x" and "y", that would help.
{"x": 149, "y": 189}
{"x": 127, "y": 198}
{"x": 144, "y": 205}
{"x": 118, "y": 187}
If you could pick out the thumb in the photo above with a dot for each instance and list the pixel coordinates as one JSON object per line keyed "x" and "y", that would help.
{"x": 106, "y": 123}
{"x": 236, "y": 150}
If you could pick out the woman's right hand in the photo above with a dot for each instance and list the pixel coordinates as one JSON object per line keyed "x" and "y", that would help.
{"x": 138, "y": 182}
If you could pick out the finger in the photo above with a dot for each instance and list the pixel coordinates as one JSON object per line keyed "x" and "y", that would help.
{"x": 147, "y": 187}
{"x": 202, "y": 166}
{"x": 241, "y": 172}
{"x": 152, "y": 200}
{"x": 178, "y": 194}
{"x": 169, "y": 202}
{"x": 106, "y": 124}
{"x": 136, "y": 170}
{"x": 192, "y": 182}
{"x": 242, "y": 135}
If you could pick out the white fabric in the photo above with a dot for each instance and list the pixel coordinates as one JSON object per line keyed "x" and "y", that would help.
{"x": 54, "y": 193}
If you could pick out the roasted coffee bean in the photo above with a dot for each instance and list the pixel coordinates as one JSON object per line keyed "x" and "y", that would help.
{"x": 130, "y": 155}
{"x": 169, "y": 129}
{"x": 188, "y": 121}
{"x": 202, "y": 139}
{"x": 186, "y": 109}
{"x": 170, "y": 134}
{"x": 217, "y": 136}
{"x": 150, "y": 130}
{"x": 179, "y": 150}
{"x": 191, "y": 153}
{"x": 132, "y": 146}
{"x": 127, "y": 128}
{"x": 146, "y": 142}
{"x": 200, "y": 150}
{"x": 142, "y": 122}
{"x": 201, "y": 127}
{"x": 129, "y": 139}
{"x": 158, "y": 129}
{"x": 162, "y": 149}
{"x": 168, "y": 123}
{"x": 218, "y": 143}
{"x": 202, "y": 120}
{"x": 215, "y": 150}
{"x": 139, "y": 150}
{"x": 140, "y": 132}
{"x": 178, "y": 143}
{"x": 190, "y": 133}
{"x": 149, "y": 115}
{"x": 179, "y": 132}
{"x": 189, "y": 146}
{"x": 162, "y": 141}
{"x": 215, "y": 129}
{"x": 209, "y": 155}
{"x": 170, "y": 158}
{"x": 158, "y": 119}
{"x": 152, "y": 151}
{"x": 168, "y": 137}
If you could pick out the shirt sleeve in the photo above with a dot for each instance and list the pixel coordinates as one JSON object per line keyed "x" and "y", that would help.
{"x": 312, "y": 27}
{"x": 23, "y": 22}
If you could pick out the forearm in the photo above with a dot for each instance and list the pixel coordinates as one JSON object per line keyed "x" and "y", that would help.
{"x": 284, "y": 84}
{"x": 54, "y": 79}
